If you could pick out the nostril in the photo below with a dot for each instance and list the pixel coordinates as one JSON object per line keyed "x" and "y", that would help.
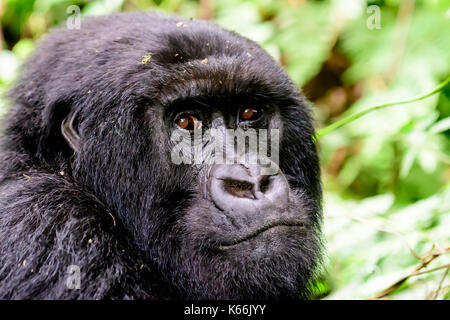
{"x": 239, "y": 188}
{"x": 234, "y": 189}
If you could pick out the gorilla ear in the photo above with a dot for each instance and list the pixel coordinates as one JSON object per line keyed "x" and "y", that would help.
{"x": 69, "y": 132}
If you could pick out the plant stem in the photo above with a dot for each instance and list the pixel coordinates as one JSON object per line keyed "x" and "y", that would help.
{"x": 326, "y": 130}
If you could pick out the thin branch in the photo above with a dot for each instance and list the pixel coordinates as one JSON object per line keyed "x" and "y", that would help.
{"x": 417, "y": 271}
{"x": 430, "y": 270}
{"x": 439, "y": 288}
{"x": 326, "y": 130}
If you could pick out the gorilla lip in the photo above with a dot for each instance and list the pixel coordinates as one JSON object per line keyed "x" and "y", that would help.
{"x": 257, "y": 232}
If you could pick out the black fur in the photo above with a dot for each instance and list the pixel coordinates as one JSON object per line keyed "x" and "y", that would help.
{"x": 134, "y": 222}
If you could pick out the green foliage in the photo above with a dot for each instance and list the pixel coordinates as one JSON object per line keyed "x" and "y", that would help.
{"x": 386, "y": 175}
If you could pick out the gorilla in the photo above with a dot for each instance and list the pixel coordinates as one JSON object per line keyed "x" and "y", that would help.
{"x": 92, "y": 204}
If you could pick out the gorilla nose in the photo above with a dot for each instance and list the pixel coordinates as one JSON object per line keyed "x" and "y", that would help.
{"x": 242, "y": 188}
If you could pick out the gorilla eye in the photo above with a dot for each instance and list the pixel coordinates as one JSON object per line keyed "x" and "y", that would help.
{"x": 189, "y": 122}
{"x": 249, "y": 114}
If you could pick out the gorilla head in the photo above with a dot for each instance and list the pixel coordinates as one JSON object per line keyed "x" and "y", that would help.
{"x": 99, "y": 108}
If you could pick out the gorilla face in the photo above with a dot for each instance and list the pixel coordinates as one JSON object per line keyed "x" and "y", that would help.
{"x": 253, "y": 234}
{"x": 213, "y": 229}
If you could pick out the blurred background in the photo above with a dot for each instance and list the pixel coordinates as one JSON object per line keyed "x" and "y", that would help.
{"x": 386, "y": 176}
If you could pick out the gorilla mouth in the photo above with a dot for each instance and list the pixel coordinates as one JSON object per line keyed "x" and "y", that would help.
{"x": 257, "y": 232}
